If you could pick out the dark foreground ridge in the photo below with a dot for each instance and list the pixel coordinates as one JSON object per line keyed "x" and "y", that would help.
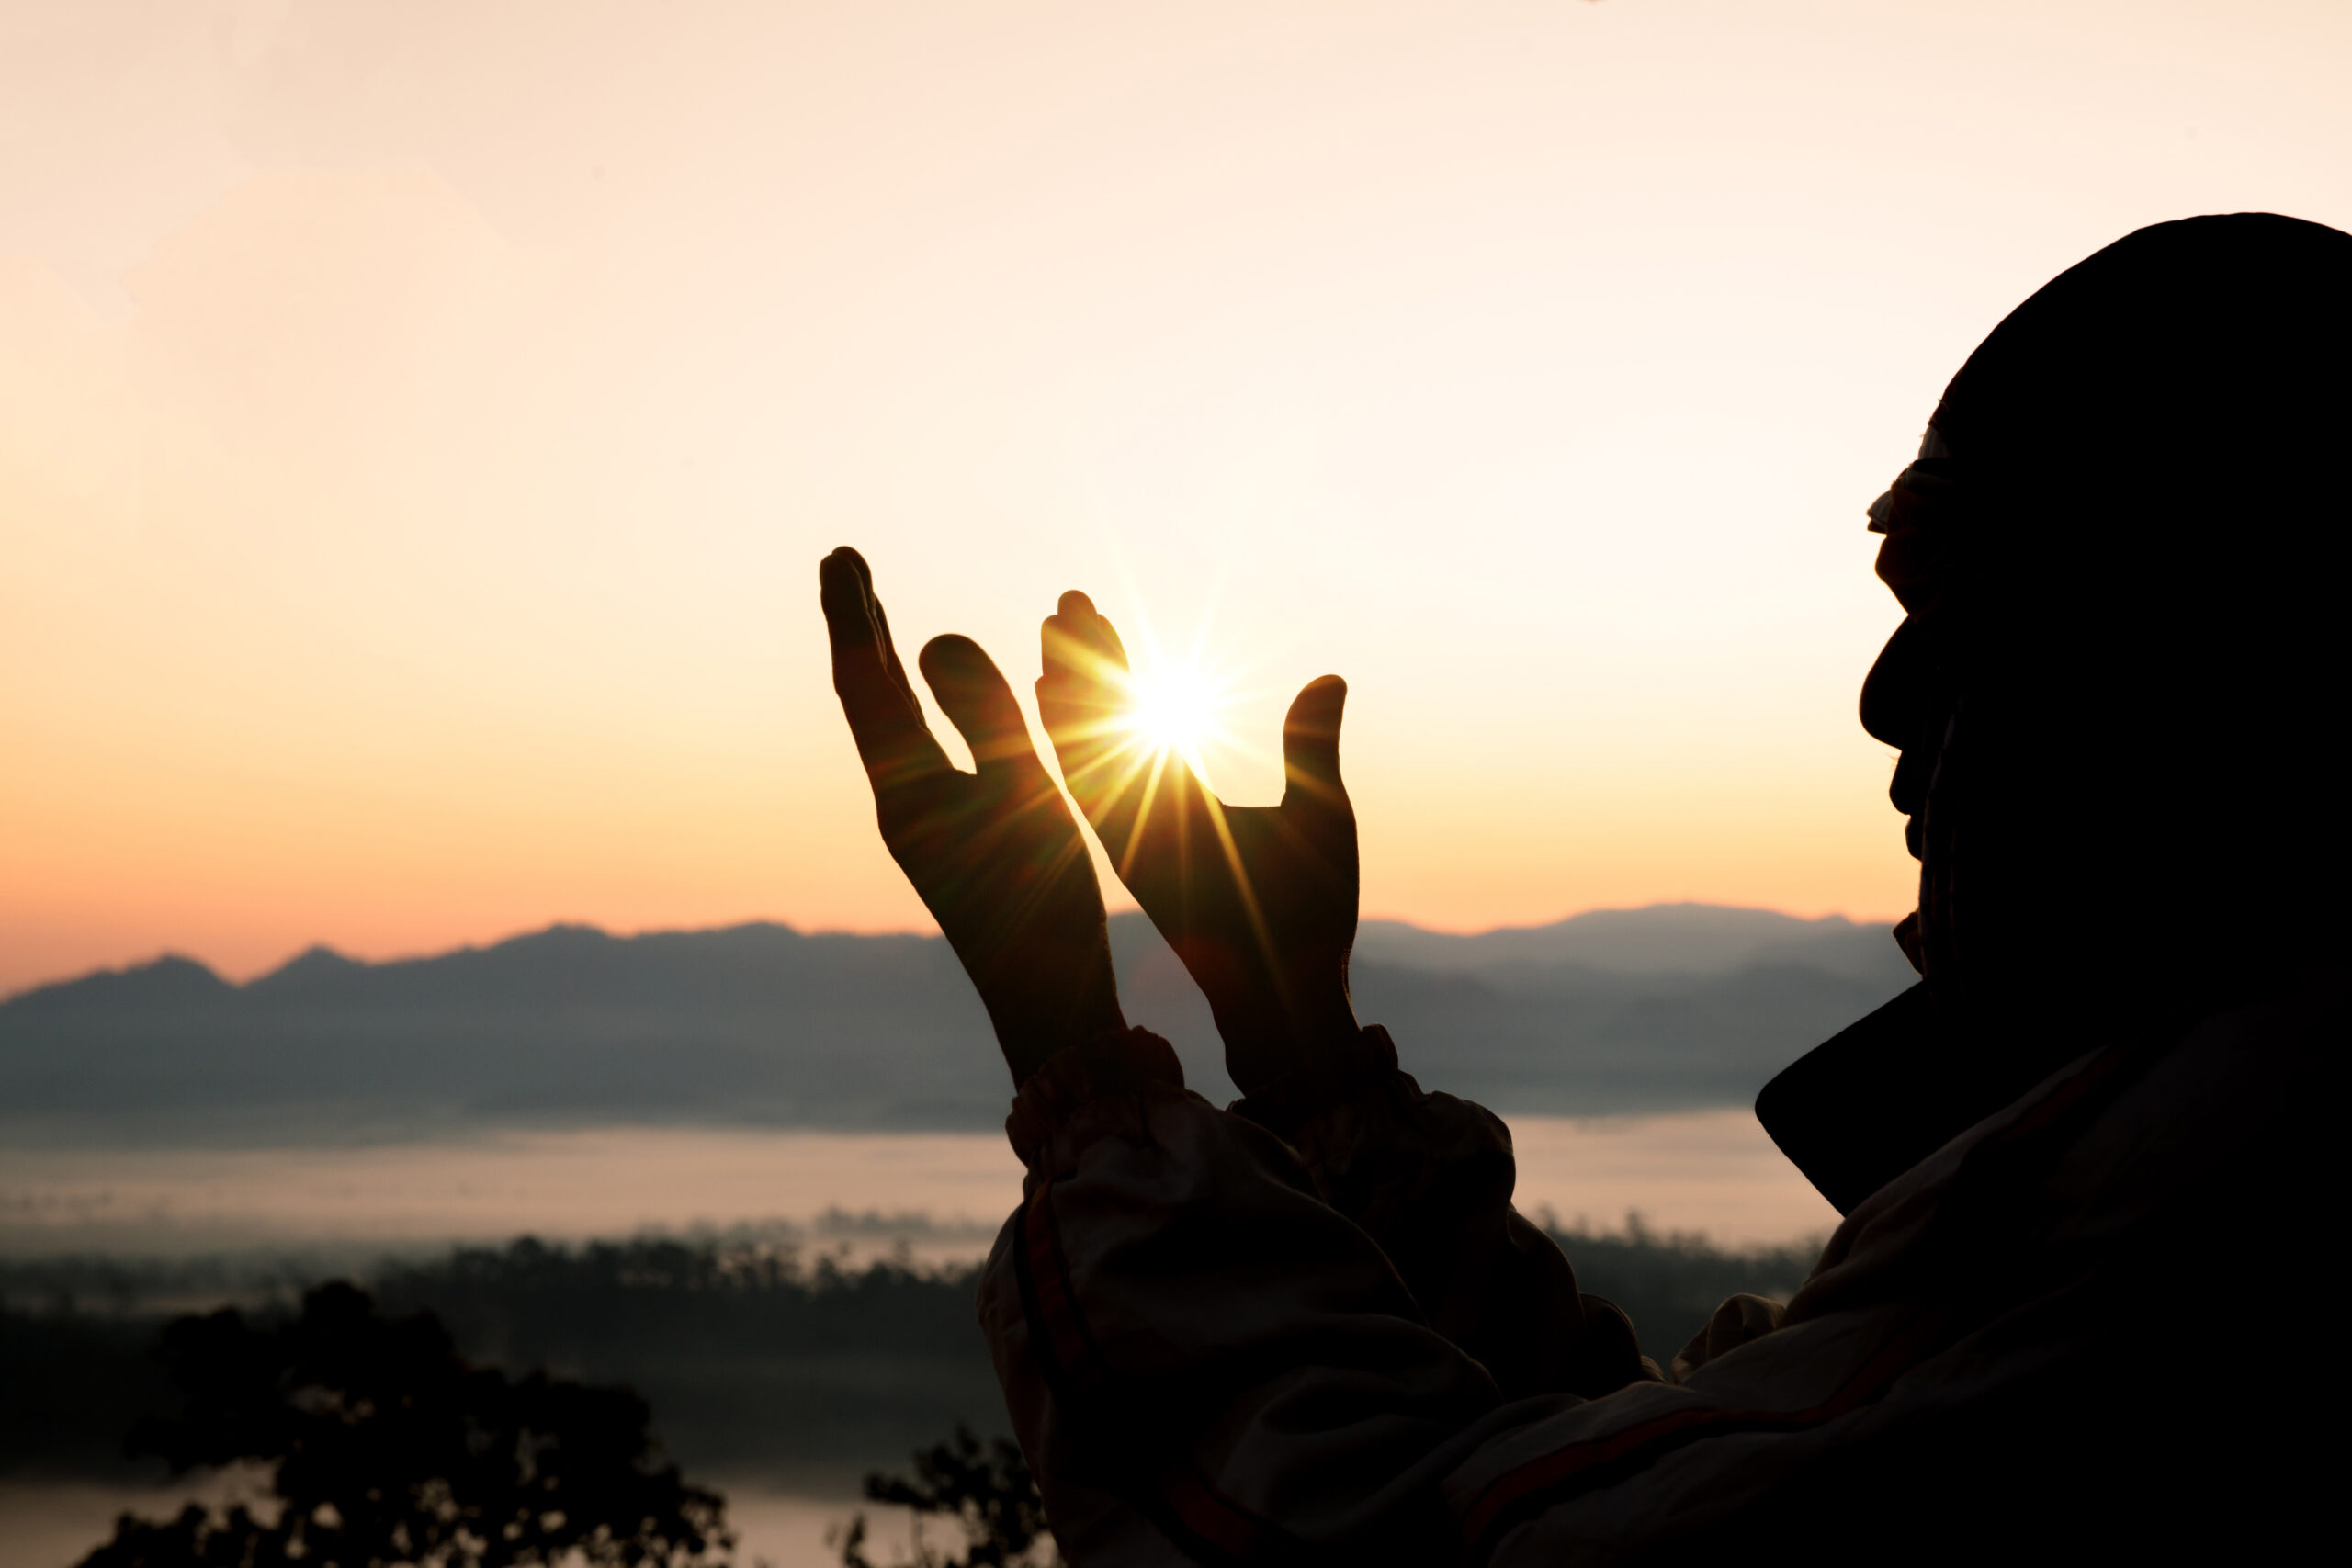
{"x": 757, "y": 1364}
{"x": 1670, "y": 1007}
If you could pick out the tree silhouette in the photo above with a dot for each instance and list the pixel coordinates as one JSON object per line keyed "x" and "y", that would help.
{"x": 389, "y": 1449}
{"x": 986, "y": 1489}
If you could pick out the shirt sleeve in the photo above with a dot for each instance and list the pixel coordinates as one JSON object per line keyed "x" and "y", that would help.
{"x": 1430, "y": 1176}
{"x": 1207, "y": 1361}
{"x": 1204, "y": 1360}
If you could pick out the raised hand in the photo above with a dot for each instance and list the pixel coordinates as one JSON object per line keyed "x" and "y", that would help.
{"x": 1258, "y": 901}
{"x": 994, "y": 853}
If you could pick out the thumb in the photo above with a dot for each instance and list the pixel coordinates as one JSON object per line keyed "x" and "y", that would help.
{"x": 972, "y": 693}
{"x": 1311, "y": 743}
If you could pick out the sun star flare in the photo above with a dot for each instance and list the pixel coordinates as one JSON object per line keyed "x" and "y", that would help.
{"x": 1173, "y": 710}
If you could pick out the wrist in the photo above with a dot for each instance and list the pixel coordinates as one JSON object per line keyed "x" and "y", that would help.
{"x": 1032, "y": 1036}
{"x": 1095, "y": 1086}
{"x": 1364, "y": 1064}
{"x": 1302, "y": 1041}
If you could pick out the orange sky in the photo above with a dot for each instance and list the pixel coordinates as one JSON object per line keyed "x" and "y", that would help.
{"x": 419, "y": 424}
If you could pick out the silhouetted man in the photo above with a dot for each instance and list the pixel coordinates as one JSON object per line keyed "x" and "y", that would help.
{"x": 2081, "y": 1163}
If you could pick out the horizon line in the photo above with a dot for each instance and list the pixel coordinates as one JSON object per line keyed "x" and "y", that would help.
{"x": 564, "y": 923}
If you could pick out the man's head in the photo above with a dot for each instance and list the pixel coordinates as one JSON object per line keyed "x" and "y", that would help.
{"x": 2117, "y": 683}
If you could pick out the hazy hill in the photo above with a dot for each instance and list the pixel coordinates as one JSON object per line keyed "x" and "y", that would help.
{"x": 1663, "y": 939}
{"x": 1677, "y": 1005}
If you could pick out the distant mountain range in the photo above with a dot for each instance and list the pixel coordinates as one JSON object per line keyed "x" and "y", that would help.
{"x": 1679, "y": 1005}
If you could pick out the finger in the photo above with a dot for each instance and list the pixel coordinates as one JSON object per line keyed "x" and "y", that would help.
{"x": 897, "y": 671}
{"x": 1081, "y": 648}
{"x": 972, "y": 693}
{"x": 885, "y": 719}
{"x": 1082, "y": 694}
{"x": 1311, "y": 743}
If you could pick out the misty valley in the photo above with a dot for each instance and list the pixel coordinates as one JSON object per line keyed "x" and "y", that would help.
{"x": 808, "y": 1125}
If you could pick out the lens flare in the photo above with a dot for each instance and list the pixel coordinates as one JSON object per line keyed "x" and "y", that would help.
{"x": 1173, "y": 710}
{"x": 1157, "y": 723}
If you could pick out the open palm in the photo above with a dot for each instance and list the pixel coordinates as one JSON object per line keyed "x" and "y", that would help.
{"x": 993, "y": 852}
{"x": 1258, "y": 901}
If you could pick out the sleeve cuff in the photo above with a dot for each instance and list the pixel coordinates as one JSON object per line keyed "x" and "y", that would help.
{"x": 1080, "y": 1093}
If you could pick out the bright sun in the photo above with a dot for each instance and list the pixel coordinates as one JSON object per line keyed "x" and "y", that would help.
{"x": 1173, "y": 710}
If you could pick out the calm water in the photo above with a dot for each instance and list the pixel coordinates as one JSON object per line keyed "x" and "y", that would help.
{"x": 1712, "y": 1171}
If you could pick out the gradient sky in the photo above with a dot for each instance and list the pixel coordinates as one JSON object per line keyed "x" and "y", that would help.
{"x": 419, "y": 424}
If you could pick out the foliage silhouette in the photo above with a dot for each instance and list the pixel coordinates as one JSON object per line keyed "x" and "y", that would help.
{"x": 809, "y": 1374}
{"x": 1670, "y": 1283}
{"x": 987, "y": 1489}
{"x": 756, "y": 1361}
{"x": 71, "y": 1383}
{"x": 390, "y": 1448}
